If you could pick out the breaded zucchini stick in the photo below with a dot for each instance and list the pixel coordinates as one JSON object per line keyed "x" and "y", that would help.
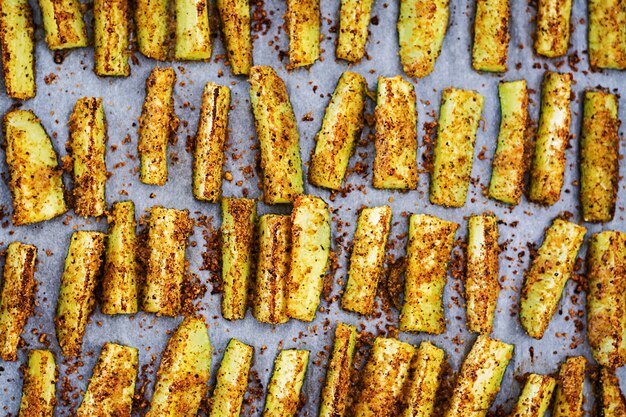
{"x": 548, "y": 274}
{"x": 428, "y": 253}
{"x": 395, "y": 164}
{"x": 607, "y": 34}
{"x": 111, "y": 32}
{"x": 208, "y": 156}
{"x": 232, "y": 380}
{"x": 278, "y": 136}
{"x": 17, "y": 42}
{"x": 34, "y": 175}
{"x": 184, "y": 371}
{"x": 119, "y": 283}
{"x": 335, "y": 391}
{"x": 548, "y": 166}
{"x": 17, "y": 297}
{"x": 64, "y": 24}
{"x": 77, "y": 293}
{"x": 112, "y": 383}
{"x": 509, "y": 162}
{"x": 568, "y": 398}
{"x": 341, "y": 128}
{"x": 552, "y": 32}
{"x": 88, "y": 137}
{"x": 599, "y": 156}
{"x": 39, "y": 389}
{"x": 367, "y": 259}
{"x": 152, "y": 21}
{"x": 283, "y": 392}
{"x": 422, "y": 26}
{"x": 235, "y": 18}
{"x": 168, "y": 231}
{"x": 534, "y": 399}
{"x": 303, "y": 26}
{"x": 454, "y": 150}
{"x": 193, "y": 34}
{"x": 478, "y": 382}
{"x": 425, "y": 378}
{"x": 611, "y": 401}
{"x": 491, "y": 36}
{"x": 354, "y": 19}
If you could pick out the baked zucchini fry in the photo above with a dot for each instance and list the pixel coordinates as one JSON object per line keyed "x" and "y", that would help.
{"x": 509, "y": 161}
{"x": 157, "y": 124}
{"x": 607, "y": 34}
{"x": 548, "y": 274}
{"x": 152, "y": 21}
{"x": 283, "y": 392}
{"x": 491, "y": 36}
{"x": 88, "y": 137}
{"x": 112, "y": 384}
{"x": 341, "y": 128}
{"x": 482, "y": 285}
{"x": 568, "y": 399}
{"x": 395, "y": 164}
{"x": 39, "y": 389}
{"x": 208, "y": 156}
{"x": 428, "y": 253}
{"x": 17, "y": 41}
{"x": 193, "y": 34}
{"x": 367, "y": 259}
{"x": 111, "y": 32}
{"x": 478, "y": 382}
{"x": 235, "y": 17}
{"x": 552, "y": 32}
{"x": 34, "y": 175}
{"x": 534, "y": 399}
{"x": 606, "y": 297}
{"x": 548, "y": 166}
{"x": 384, "y": 377}
{"x": 611, "y": 401}
{"x": 232, "y": 380}
{"x": 168, "y": 230}
{"x": 422, "y": 26}
{"x": 354, "y": 19}
{"x": 17, "y": 296}
{"x": 278, "y": 136}
{"x": 599, "y": 156}
{"x": 119, "y": 283}
{"x": 77, "y": 294}
{"x": 184, "y": 371}
{"x": 303, "y": 26}
{"x": 454, "y": 150}
{"x": 426, "y": 373}
{"x": 335, "y": 391}
{"x": 64, "y": 24}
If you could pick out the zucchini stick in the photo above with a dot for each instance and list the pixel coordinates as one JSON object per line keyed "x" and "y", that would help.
{"x": 454, "y": 150}
{"x": 111, "y": 32}
{"x": 548, "y": 166}
{"x": 270, "y": 305}
{"x": 367, "y": 259}
{"x": 607, "y": 34}
{"x": 335, "y": 391}
{"x": 232, "y": 380}
{"x": 354, "y": 19}
{"x": 606, "y": 297}
{"x": 568, "y": 399}
{"x": 548, "y": 274}
{"x": 17, "y": 297}
{"x": 552, "y": 32}
{"x": 611, "y": 401}
{"x": 599, "y": 156}
{"x": 482, "y": 286}
{"x": 39, "y": 389}
{"x": 341, "y": 128}
{"x": 119, "y": 283}
{"x": 63, "y": 23}
{"x": 283, "y": 392}
{"x": 428, "y": 253}
{"x": 193, "y": 34}
{"x": 479, "y": 379}
{"x": 153, "y": 24}
{"x": 534, "y": 399}
{"x": 87, "y": 147}
{"x": 426, "y": 372}
{"x": 509, "y": 162}
{"x": 34, "y": 175}
{"x": 77, "y": 293}
{"x": 491, "y": 36}
{"x": 17, "y": 41}
{"x": 208, "y": 156}
{"x": 237, "y": 234}
{"x": 395, "y": 164}
{"x": 157, "y": 124}
{"x": 422, "y": 27}
{"x": 168, "y": 231}
{"x": 235, "y": 17}
{"x": 303, "y": 26}
{"x": 184, "y": 371}
{"x": 384, "y": 376}
{"x": 112, "y": 384}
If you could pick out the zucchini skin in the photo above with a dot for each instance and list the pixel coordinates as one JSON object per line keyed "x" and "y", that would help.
{"x": 428, "y": 254}
{"x": 303, "y": 25}
{"x": 548, "y": 274}
{"x": 395, "y": 164}
{"x": 63, "y": 23}
{"x": 354, "y": 19}
{"x": 568, "y": 397}
{"x": 17, "y": 296}
{"x": 491, "y": 36}
{"x": 111, "y": 32}
{"x": 610, "y": 401}
{"x": 341, "y": 127}
{"x": 232, "y": 380}
{"x": 552, "y": 32}
{"x": 334, "y": 393}
{"x": 152, "y": 21}
{"x": 193, "y": 34}
{"x": 534, "y": 399}
{"x": 39, "y": 389}
{"x": 17, "y": 42}
{"x": 607, "y": 34}
{"x": 283, "y": 392}
{"x": 235, "y": 18}
{"x": 454, "y": 149}
{"x": 367, "y": 259}
{"x": 425, "y": 378}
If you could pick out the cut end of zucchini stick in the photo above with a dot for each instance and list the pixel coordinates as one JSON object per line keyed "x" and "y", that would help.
{"x": 425, "y": 378}
{"x": 235, "y": 17}
{"x": 611, "y": 401}
{"x": 607, "y": 34}
{"x": 17, "y": 41}
{"x": 193, "y": 34}
{"x": 64, "y": 24}
{"x": 153, "y": 25}
{"x": 552, "y": 32}
{"x": 534, "y": 399}
{"x": 283, "y": 392}
{"x": 232, "y": 380}
{"x": 111, "y": 32}
{"x": 491, "y": 36}
{"x": 335, "y": 391}
{"x": 39, "y": 389}
{"x": 303, "y": 26}
{"x": 354, "y": 19}
{"x": 568, "y": 399}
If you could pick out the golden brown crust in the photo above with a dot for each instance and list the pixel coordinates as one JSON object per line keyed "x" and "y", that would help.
{"x": 491, "y": 35}
{"x": 17, "y": 42}
{"x": 569, "y": 392}
{"x": 38, "y": 390}
{"x": 112, "y": 29}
